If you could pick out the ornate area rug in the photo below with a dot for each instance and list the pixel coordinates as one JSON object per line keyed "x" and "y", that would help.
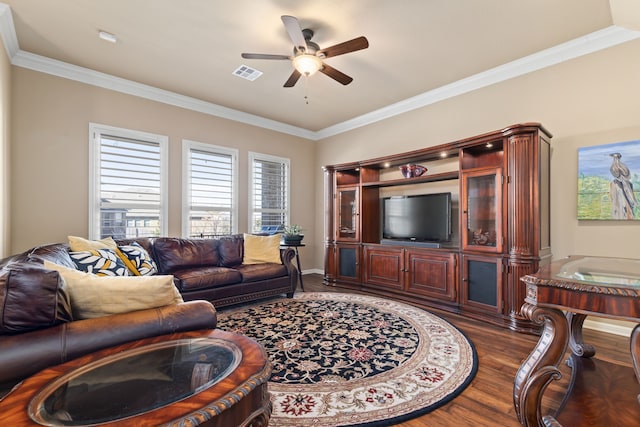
{"x": 346, "y": 359}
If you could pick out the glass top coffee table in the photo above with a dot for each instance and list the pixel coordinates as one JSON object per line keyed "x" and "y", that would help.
{"x": 163, "y": 380}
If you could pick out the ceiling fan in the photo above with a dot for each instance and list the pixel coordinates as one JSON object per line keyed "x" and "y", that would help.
{"x": 307, "y": 56}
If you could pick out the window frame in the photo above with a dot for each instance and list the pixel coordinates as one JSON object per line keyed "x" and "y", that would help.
{"x": 253, "y": 156}
{"x": 187, "y": 146}
{"x": 96, "y": 131}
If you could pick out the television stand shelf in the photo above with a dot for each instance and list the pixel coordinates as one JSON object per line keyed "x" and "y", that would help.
{"x": 499, "y": 186}
{"x": 413, "y": 243}
{"x": 444, "y": 176}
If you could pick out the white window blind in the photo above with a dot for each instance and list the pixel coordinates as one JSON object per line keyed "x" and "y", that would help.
{"x": 269, "y": 198}
{"x": 128, "y": 191}
{"x": 210, "y": 193}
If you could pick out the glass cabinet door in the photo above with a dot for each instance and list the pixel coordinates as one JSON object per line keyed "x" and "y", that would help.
{"x": 347, "y": 214}
{"x": 348, "y": 262}
{"x": 482, "y": 210}
{"x": 481, "y": 283}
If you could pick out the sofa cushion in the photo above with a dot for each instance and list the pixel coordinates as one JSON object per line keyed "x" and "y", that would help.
{"x": 230, "y": 249}
{"x": 102, "y": 262}
{"x": 190, "y": 279}
{"x": 174, "y": 253}
{"x": 138, "y": 259}
{"x": 31, "y": 297}
{"x": 261, "y": 249}
{"x": 94, "y": 296}
{"x": 256, "y": 272}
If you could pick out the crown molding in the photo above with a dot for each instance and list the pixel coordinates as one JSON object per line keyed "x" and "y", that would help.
{"x": 95, "y": 78}
{"x": 593, "y": 42}
{"x": 8, "y": 31}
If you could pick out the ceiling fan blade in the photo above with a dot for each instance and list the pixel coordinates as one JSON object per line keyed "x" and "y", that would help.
{"x": 345, "y": 47}
{"x": 293, "y": 79}
{"x": 336, "y": 75}
{"x": 292, "y": 26}
{"x": 264, "y": 56}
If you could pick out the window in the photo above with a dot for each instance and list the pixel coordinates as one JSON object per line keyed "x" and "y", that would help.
{"x": 269, "y": 193}
{"x": 210, "y": 196}
{"x": 128, "y": 185}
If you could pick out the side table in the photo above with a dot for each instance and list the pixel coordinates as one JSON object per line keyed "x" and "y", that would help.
{"x": 208, "y": 378}
{"x": 599, "y": 392}
{"x": 295, "y": 248}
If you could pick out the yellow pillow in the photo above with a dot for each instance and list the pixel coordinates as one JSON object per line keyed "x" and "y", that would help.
{"x": 79, "y": 244}
{"x": 261, "y": 249}
{"x": 97, "y": 296}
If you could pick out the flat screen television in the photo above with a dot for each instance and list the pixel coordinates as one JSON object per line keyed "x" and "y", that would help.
{"x": 424, "y": 218}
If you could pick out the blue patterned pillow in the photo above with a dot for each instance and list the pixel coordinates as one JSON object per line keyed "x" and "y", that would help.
{"x": 101, "y": 262}
{"x": 138, "y": 260}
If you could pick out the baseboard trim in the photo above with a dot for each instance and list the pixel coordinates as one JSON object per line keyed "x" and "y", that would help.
{"x": 609, "y": 328}
{"x": 313, "y": 271}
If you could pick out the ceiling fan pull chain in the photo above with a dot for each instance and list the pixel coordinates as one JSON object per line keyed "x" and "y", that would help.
{"x": 306, "y": 89}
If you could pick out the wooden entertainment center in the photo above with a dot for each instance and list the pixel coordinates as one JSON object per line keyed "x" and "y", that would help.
{"x": 499, "y": 182}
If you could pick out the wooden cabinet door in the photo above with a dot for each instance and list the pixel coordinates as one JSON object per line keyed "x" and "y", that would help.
{"x": 384, "y": 266}
{"x": 348, "y": 263}
{"x": 481, "y": 283}
{"x": 431, "y": 274}
{"x": 482, "y": 212}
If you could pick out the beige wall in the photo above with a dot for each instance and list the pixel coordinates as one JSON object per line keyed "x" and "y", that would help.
{"x": 5, "y": 114}
{"x": 587, "y": 101}
{"x": 50, "y": 128}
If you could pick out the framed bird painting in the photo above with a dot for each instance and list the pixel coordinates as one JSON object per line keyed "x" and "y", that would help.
{"x": 609, "y": 181}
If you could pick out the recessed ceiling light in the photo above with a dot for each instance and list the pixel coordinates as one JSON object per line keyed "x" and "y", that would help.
{"x": 111, "y": 38}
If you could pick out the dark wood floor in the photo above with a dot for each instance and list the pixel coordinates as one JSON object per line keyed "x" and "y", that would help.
{"x": 487, "y": 401}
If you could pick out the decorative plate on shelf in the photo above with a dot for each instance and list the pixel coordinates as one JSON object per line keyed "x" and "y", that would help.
{"x": 412, "y": 170}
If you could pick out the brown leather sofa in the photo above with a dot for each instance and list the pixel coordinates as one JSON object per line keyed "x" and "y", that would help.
{"x": 212, "y": 269}
{"x": 37, "y": 329}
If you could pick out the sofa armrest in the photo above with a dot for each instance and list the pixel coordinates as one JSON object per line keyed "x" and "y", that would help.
{"x": 288, "y": 256}
{"x": 25, "y": 354}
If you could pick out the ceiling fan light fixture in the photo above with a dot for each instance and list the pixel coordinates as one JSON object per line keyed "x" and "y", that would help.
{"x": 307, "y": 64}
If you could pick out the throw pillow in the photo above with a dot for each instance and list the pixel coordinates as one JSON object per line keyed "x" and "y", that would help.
{"x": 31, "y": 297}
{"x": 137, "y": 259}
{"x": 102, "y": 262}
{"x": 77, "y": 244}
{"x": 261, "y": 249}
{"x": 97, "y": 296}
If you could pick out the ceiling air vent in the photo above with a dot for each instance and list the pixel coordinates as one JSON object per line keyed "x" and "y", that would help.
{"x": 247, "y": 72}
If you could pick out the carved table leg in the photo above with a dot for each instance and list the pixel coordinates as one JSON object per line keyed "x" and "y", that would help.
{"x": 576, "y": 342}
{"x": 541, "y": 367}
{"x": 635, "y": 352}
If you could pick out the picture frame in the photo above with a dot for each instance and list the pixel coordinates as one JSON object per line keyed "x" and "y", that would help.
{"x": 609, "y": 181}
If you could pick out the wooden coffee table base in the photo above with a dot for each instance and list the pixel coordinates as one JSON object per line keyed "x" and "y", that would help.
{"x": 238, "y": 399}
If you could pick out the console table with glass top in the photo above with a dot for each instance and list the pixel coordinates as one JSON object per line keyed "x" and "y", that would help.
{"x": 560, "y": 297}
{"x": 207, "y": 378}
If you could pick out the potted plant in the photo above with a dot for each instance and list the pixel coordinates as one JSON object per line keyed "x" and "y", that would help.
{"x": 293, "y": 234}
